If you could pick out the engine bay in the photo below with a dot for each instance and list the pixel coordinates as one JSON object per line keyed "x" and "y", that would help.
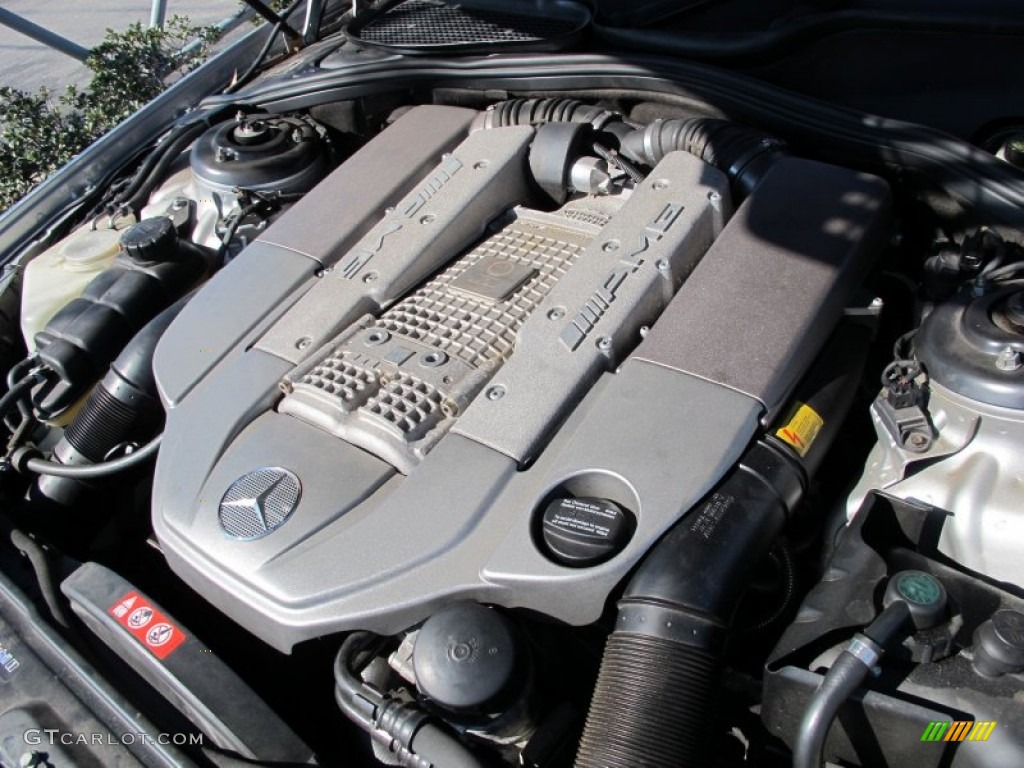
{"x": 526, "y": 426}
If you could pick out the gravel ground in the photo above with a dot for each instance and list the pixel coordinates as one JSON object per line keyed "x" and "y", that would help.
{"x": 26, "y": 64}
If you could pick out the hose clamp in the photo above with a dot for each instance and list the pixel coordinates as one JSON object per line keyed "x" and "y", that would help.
{"x": 866, "y": 651}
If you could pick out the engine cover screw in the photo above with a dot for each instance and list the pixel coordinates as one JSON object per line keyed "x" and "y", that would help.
{"x": 376, "y": 337}
{"x": 604, "y": 343}
{"x": 556, "y": 314}
{"x": 1008, "y": 359}
{"x": 496, "y": 393}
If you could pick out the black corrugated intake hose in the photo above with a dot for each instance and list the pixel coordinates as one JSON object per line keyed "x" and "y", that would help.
{"x": 404, "y": 729}
{"x": 743, "y": 153}
{"x": 124, "y": 407}
{"x": 654, "y": 702}
{"x": 539, "y": 111}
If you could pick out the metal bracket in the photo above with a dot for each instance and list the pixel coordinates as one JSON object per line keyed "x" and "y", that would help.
{"x": 314, "y": 12}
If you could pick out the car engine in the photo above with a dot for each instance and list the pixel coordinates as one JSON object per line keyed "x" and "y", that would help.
{"x": 490, "y": 423}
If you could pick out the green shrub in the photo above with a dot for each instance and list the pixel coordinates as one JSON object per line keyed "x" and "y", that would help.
{"x": 40, "y": 132}
{"x": 277, "y": 6}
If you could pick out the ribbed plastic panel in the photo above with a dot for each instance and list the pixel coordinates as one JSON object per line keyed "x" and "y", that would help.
{"x": 411, "y": 405}
{"x": 342, "y": 379}
{"x": 396, "y": 383}
{"x": 434, "y": 25}
{"x": 476, "y": 330}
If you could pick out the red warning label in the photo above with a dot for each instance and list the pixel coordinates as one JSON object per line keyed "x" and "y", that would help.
{"x": 150, "y": 627}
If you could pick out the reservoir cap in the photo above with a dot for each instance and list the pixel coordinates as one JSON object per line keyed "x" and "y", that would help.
{"x": 150, "y": 240}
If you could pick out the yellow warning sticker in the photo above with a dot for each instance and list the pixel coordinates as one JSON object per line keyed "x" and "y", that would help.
{"x": 801, "y": 429}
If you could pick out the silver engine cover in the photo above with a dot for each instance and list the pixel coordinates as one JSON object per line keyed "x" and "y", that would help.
{"x": 424, "y": 419}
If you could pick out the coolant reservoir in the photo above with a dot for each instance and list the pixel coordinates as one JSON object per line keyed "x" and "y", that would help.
{"x": 59, "y": 274}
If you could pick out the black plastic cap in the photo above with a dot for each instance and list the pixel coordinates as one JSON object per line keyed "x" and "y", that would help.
{"x": 150, "y": 240}
{"x": 999, "y": 644}
{"x": 581, "y": 532}
{"x": 465, "y": 659}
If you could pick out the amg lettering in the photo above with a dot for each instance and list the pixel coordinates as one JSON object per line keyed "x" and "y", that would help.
{"x": 594, "y": 308}
{"x": 397, "y": 218}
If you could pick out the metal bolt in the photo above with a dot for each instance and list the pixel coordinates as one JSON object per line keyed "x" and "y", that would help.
{"x": 1009, "y": 359}
{"x": 433, "y": 359}
{"x": 556, "y": 314}
{"x": 225, "y": 154}
{"x": 660, "y": 184}
{"x": 604, "y": 343}
{"x": 479, "y": 165}
{"x": 714, "y": 197}
{"x": 496, "y": 392}
{"x": 428, "y": 219}
{"x": 917, "y": 442}
{"x": 377, "y": 337}
{"x": 369, "y": 277}
{"x": 303, "y": 343}
{"x": 611, "y": 245}
{"x": 179, "y": 203}
{"x": 662, "y": 264}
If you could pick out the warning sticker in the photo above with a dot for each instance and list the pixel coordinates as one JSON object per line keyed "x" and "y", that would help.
{"x": 147, "y": 625}
{"x": 801, "y": 429}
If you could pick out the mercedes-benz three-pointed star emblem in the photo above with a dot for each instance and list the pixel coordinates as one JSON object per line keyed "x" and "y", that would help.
{"x": 259, "y": 502}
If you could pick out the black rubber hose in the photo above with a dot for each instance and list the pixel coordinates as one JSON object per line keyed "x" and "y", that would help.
{"x": 43, "y": 569}
{"x": 844, "y": 677}
{"x": 743, "y": 153}
{"x": 14, "y": 395}
{"x": 93, "y": 471}
{"x": 404, "y": 728}
{"x": 145, "y": 170}
{"x": 136, "y": 198}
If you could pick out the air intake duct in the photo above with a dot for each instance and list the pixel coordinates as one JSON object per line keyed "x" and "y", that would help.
{"x": 743, "y": 153}
{"x": 653, "y": 705}
{"x": 539, "y": 111}
{"x": 123, "y": 408}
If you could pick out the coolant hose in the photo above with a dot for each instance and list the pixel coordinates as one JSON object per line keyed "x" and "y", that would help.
{"x": 845, "y": 676}
{"x": 743, "y": 153}
{"x": 402, "y": 728}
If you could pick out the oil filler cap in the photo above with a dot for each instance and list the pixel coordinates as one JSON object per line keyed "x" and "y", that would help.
{"x": 584, "y": 531}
